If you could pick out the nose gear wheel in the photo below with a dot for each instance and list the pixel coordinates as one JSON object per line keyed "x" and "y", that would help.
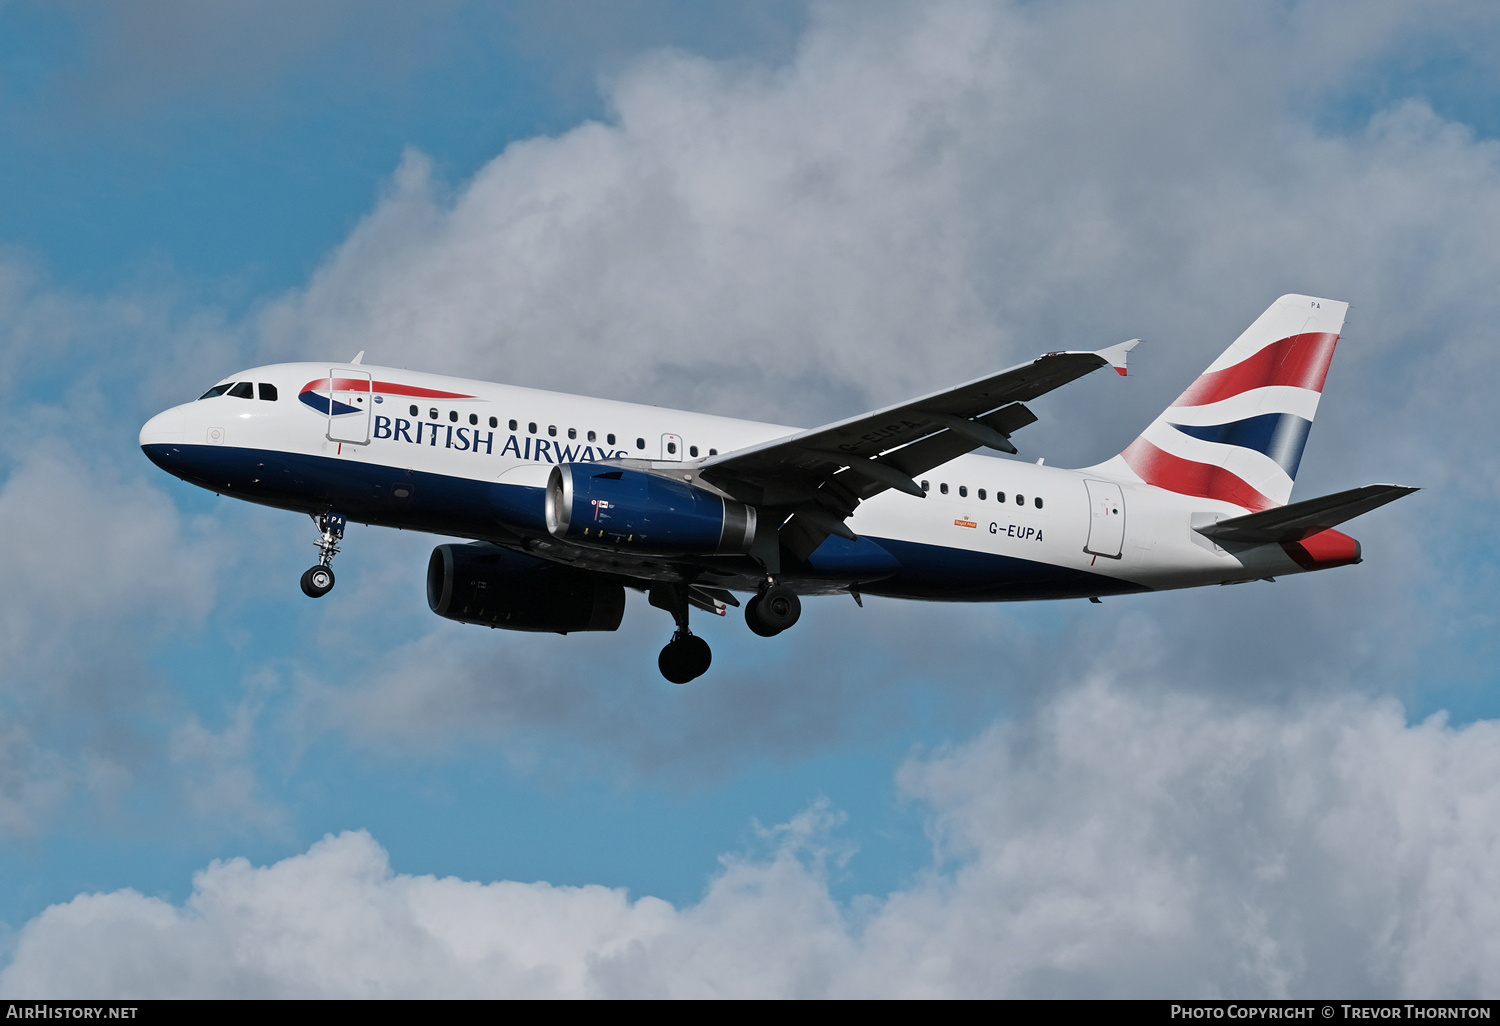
{"x": 318, "y": 580}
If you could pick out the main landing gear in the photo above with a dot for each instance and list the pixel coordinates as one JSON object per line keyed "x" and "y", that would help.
{"x": 686, "y": 657}
{"x": 318, "y": 580}
{"x": 772, "y": 611}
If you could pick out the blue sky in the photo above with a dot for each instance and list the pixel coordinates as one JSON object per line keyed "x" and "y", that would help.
{"x": 790, "y": 212}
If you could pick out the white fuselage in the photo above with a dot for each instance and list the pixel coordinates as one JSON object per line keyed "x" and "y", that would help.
{"x": 430, "y": 451}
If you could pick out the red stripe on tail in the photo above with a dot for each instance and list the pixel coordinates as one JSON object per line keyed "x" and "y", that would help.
{"x": 1300, "y": 361}
{"x": 1160, "y": 468}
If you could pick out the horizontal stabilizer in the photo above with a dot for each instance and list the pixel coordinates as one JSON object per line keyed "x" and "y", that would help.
{"x": 1303, "y": 519}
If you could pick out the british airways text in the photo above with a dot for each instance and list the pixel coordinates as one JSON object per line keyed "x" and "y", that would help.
{"x": 467, "y": 439}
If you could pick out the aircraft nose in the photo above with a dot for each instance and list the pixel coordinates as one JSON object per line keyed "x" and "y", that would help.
{"x": 162, "y": 440}
{"x": 163, "y": 429}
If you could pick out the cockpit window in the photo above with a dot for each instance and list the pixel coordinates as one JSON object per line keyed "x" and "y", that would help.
{"x": 216, "y": 390}
{"x": 268, "y": 392}
{"x": 243, "y": 390}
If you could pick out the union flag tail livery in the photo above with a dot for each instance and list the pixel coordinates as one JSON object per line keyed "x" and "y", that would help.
{"x": 1236, "y": 435}
{"x": 570, "y": 502}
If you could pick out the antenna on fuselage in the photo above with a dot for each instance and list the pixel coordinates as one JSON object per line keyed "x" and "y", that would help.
{"x": 355, "y": 362}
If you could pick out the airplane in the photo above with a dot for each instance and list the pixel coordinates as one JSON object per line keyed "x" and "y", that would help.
{"x": 564, "y": 502}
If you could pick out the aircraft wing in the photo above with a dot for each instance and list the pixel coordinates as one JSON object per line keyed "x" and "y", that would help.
{"x": 821, "y": 475}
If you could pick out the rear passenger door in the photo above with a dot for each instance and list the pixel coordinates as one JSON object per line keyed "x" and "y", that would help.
{"x": 1106, "y": 519}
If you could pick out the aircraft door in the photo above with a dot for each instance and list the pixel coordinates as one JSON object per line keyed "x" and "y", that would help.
{"x": 1106, "y": 519}
{"x": 671, "y": 447}
{"x": 349, "y": 406}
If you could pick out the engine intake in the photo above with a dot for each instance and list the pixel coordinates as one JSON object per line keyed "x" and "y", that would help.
{"x": 486, "y": 584}
{"x": 645, "y": 512}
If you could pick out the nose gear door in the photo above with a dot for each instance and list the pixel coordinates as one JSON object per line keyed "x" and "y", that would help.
{"x": 349, "y": 403}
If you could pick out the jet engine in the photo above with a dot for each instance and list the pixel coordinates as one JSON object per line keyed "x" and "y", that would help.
{"x": 495, "y": 587}
{"x": 645, "y": 512}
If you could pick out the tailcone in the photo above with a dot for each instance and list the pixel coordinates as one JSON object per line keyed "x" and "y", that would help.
{"x": 1324, "y": 550}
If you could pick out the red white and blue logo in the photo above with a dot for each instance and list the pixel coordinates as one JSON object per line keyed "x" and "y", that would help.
{"x": 1237, "y": 434}
{"x": 336, "y": 396}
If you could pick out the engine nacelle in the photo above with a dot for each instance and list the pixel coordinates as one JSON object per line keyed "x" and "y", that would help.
{"x": 632, "y": 509}
{"x": 495, "y": 587}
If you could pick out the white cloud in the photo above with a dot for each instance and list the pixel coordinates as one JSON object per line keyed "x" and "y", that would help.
{"x": 924, "y": 193}
{"x": 100, "y": 568}
{"x": 921, "y": 194}
{"x": 86, "y": 554}
{"x": 96, "y": 569}
{"x": 1121, "y": 842}
{"x": 218, "y": 782}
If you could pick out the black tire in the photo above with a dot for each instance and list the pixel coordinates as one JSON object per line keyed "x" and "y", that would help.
{"x": 773, "y": 611}
{"x": 684, "y": 658}
{"x": 754, "y": 622}
{"x": 317, "y": 581}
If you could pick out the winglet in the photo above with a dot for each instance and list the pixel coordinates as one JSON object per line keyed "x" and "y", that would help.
{"x": 1115, "y": 355}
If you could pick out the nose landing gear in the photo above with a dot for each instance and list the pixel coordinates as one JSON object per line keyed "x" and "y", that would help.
{"x": 318, "y": 580}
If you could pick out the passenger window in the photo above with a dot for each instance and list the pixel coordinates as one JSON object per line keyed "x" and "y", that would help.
{"x": 216, "y": 391}
{"x": 432, "y": 413}
{"x": 1037, "y": 502}
{"x": 268, "y": 392}
{"x": 672, "y": 448}
{"x": 981, "y": 494}
{"x": 1020, "y": 500}
{"x": 512, "y": 425}
{"x": 963, "y": 491}
{"x": 243, "y": 390}
{"x": 926, "y": 487}
{"x": 713, "y": 452}
{"x": 943, "y": 487}
{"x": 494, "y": 423}
{"x": 640, "y": 443}
{"x": 999, "y": 496}
{"x": 609, "y": 439}
{"x": 572, "y": 433}
{"x": 552, "y": 430}
{"x": 531, "y": 427}
{"x": 473, "y": 418}
{"x": 692, "y": 450}
{"x": 453, "y": 416}
{"x": 592, "y": 436}
{"x": 414, "y": 412}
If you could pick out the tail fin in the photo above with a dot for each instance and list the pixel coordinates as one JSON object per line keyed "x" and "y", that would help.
{"x": 1236, "y": 435}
